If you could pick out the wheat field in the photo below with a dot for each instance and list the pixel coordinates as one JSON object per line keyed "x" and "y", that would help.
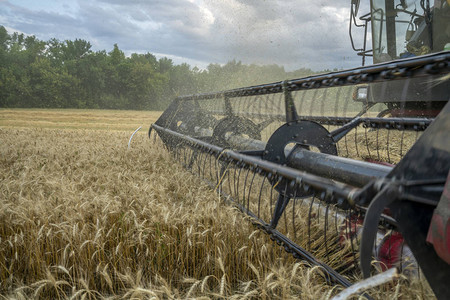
{"x": 84, "y": 217}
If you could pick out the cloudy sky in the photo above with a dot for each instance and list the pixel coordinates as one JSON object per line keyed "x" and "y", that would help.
{"x": 292, "y": 33}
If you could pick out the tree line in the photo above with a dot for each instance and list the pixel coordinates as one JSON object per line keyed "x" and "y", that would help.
{"x": 69, "y": 74}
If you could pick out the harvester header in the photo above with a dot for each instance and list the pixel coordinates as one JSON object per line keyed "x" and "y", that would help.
{"x": 322, "y": 172}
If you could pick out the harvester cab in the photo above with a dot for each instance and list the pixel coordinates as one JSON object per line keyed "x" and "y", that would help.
{"x": 402, "y": 29}
{"x": 335, "y": 183}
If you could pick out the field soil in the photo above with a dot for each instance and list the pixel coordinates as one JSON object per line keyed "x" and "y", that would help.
{"x": 85, "y": 217}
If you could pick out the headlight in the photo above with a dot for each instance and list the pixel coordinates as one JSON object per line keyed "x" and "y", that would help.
{"x": 360, "y": 94}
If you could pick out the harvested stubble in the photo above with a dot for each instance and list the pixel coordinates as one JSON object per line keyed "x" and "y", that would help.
{"x": 83, "y": 217}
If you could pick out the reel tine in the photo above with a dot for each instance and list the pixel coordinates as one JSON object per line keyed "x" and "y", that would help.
{"x": 218, "y": 170}
{"x": 367, "y": 142}
{"x": 204, "y": 166}
{"x": 387, "y": 146}
{"x": 336, "y": 222}
{"x": 346, "y": 146}
{"x": 230, "y": 191}
{"x": 401, "y": 144}
{"x": 249, "y": 190}
{"x": 245, "y": 185}
{"x": 272, "y": 194}
{"x": 237, "y": 185}
{"x": 325, "y": 229}
{"x": 309, "y": 222}
{"x": 259, "y": 197}
{"x": 352, "y": 235}
{"x": 183, "y": 156}
{"x": 378, "y": 146}
{"x": 294, "y": 200}
{"x": 284, "y": 209}
{"x": 356, "y": 142}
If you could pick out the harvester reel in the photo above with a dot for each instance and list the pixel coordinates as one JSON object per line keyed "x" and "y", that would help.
{"x": 237, "y": 126}
{"x": 187, "y": 120}
{"x": 304, "y": 134}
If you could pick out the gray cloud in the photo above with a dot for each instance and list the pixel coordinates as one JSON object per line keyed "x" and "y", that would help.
{"x": 311, "y": 34}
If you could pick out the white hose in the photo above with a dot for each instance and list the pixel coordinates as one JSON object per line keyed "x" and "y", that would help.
{"x": 368, "y": 283}
{"x": 129, "y": 142}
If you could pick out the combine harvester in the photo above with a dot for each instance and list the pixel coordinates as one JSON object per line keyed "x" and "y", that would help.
{"x": 354, "y": 162}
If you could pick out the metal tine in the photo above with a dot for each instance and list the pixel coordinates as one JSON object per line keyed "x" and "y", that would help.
{"x": 294, "y": 200}
{"x": 260, "y": 194}
{"x": 284, "y": 211}
{"x": 237, "y": 184}
{"x": 325, "y": 232}
{"x": 378, "y": 146}
{"x": 211, "y": 170}
{"x": 367, "y": 143}
{"x": 221, "y": 172}
{"x": 401, "y": 143}
{"x": 309, "y": 222}
{"x": 387, "y": 146}
{"x": 317, "y": 215}
{"x": 183, "y": 156}
{"x": 230, "y": 190}
{"x": 335, "y": 221}
{"x": 177, "y": 152}
{"x": 217, "y": 170}
{"x": 193, "y": 158}
{"x": 187, "y": 156}
{"x": 271, "y": 194}
{"x": 349, "y": 218}
{"x": 346, "y": 146}
{"x": 250, "y": 189}
{"x": 190, "y": 158}
{"x": 356, "y": 141}
{"x": 219, "y": 166}
{"x": 196, "y": 165}
{"x": 204, "y": 166}
{"x": 180, "y": 153}
{"x": 245, "y": 185}
{"x": 231, "y": 171}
